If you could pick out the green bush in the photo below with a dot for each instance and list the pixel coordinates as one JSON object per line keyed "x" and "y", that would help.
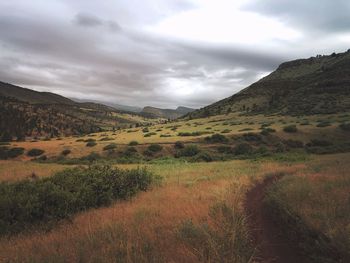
{"x": 133, "y": 143}
{"x": 319, "y": 143}
{"x": 145, "y": 130}
{"x": 252, "y": 137}
{"x": 186, "y": 134}
{"x": 290, "y": 129}
{"x": 106, "y": 139}
{"x": 224, "y": 149}
{"x": 149, "y": 134}
{"x": 216, "y": 138}
{"x": 323, "y": 124}
{"x": 8, "y": 153}
{"x": 203, "y": 157}
{"x": 91, "y": 144}
{"x": 28, "y": 203}
{"x": 345, "y": 126}
{"x": 243, "y": 149}
{"x": 188, "y": 151}
{"x": 110, "y": 147}
{"x": 293, "y": 143}
{"x": 155, "y": 148}
{"x": 179, "y": 145}
{"x": 65, "y": 152}
{"x": 35, "y": 152}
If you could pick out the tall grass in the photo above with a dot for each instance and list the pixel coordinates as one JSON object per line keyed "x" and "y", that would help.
{"x": 316, "y": 204}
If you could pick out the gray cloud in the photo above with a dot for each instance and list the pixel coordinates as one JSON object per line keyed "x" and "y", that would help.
{"x": 94, "y": 58}
{"x": 320, "y": 16}
{"x": 87, "y": 20}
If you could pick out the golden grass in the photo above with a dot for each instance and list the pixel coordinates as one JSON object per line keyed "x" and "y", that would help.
{"x": 320, "y": 196}
{"x": 232, "y": 122}
{"x": 144, "y": 229}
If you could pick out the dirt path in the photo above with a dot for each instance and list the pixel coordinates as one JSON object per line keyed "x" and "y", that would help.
{"x": 272, "y": 248}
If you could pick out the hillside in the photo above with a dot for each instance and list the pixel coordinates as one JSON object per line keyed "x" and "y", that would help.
{"x": 317, "y": 85}
{"x": 27, "y": 113}
{"x": 166, "y": 113}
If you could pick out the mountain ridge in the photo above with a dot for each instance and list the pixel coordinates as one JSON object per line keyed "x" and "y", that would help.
{"x": 316, "y": 85}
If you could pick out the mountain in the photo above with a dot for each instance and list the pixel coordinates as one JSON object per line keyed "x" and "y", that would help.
{"x": 31, "y": 96}
{"x": 124, "y": 108}
{"x": 317, "y": 85}
{"x": 166, "y": 113}
{"x": 28, "y": 113}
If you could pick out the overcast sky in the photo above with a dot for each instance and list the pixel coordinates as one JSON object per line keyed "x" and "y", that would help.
{"x": 162, "y": 53}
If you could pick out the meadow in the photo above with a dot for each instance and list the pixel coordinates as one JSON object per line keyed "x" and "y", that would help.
{"x": 195, "y": 212}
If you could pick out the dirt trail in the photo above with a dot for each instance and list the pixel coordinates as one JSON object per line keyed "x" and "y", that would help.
{"x": 272, "y": 247}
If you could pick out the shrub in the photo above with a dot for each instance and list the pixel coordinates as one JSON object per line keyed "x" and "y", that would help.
{"x": 7, "y": 153}
{"x": 224, "y": 149}
{"x": 92, "y": 157}
{"x": 91, "y": 144}
{"x": 203, "y": 156}
{"x": 188, "y": 151}
{"x": 243, "y": 149}
{"x": 145, "y": 130}
{"x": 133, "y": 143}
{"x": 319, "y": 143}
{"x": 290, "y": 129}
{"x": 35, "y": 152}
{"x": 106, "y": 139}
{"x": 130, "y": 151}
{"x": 27, "y": 203}
{"x": 252, "y": 137}
{"x": 216, "y": 138}
{"x": 267, "y": 131}
{"x": 294, "y": 143}
{"x": 179, "y": 145}
{"x": 110, "y": 147}
{"x": 345, "y": 126}
{"x": 90, "y": 140}
{"x": 323, "y": 124}
{"x": 155, "y": 148}
{"x": 197, "y": 133}
{"x": 226, "y": 131}
{"x": 149, "y": 134}
{"x": 65, "y": 152}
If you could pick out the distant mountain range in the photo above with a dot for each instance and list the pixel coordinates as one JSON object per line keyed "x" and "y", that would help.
{"x": 166, "y": 113}
{"x": 28, "y": 113}
{"x": 317, "y": 85}
{"x": 148, "y": 111}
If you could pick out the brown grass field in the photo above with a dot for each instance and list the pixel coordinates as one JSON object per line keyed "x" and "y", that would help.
{"x": 196, "y": 213}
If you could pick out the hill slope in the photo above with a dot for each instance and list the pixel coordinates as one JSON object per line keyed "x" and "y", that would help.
{"x": 166, "y": 113}
{"x": 28, "y": 113}
{"x": 317, "y": 85}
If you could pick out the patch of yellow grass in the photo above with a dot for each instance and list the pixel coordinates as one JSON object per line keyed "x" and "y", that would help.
{"x": 144, "y": 229}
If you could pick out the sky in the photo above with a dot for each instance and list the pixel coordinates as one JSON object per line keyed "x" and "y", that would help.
{"x": 162, "y": 53}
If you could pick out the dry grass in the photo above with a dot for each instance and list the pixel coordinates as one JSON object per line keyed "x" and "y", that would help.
{"x": 320, "y": 196}
{"x": 18, "y": 170}
{"x": 146, "y": 228}
{"x": 217, "y": 124}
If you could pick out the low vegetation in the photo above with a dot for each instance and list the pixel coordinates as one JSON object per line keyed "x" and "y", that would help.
{"x": 33, "y": 202}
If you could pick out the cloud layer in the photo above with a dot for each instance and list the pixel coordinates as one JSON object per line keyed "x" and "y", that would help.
{"x": 160, "y": 52}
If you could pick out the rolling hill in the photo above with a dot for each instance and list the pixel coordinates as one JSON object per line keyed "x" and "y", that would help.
{"x": 166, "y": 113}
{"x": 317, "y": 85}
{"x": 28, "y": 113}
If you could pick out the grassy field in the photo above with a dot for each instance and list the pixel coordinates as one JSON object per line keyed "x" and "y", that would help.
{"x": 196, "y": 213}
{"x": 173, "y": 222}
{"x": 228, "y": 125}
